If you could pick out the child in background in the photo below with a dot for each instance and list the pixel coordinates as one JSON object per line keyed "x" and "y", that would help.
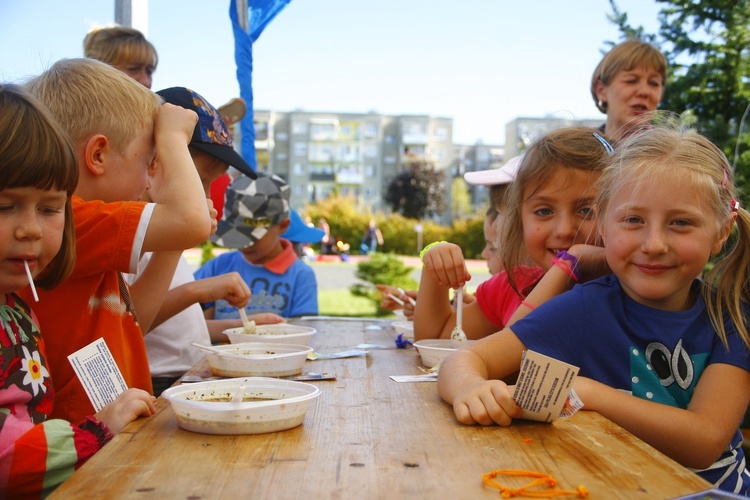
{"x": 38, "y": 173}
{"x": 180, "y": 320}
{"x": 301, "y": 235}
{"x": 256, "y": 214}
{"x": 661, "y": 353}
{"x": 117, "y": 126}
{"x": 498, "y": 181}
{"x": 124, "y": 48}
{"x": 548, "y": 209}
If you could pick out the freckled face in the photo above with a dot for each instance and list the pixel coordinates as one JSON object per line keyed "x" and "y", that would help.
{"x": 558, "y": 214}
{"x": 127, "y": 171}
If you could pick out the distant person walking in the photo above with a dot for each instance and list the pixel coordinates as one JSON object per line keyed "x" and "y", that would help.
{"x": 372, "y": 238}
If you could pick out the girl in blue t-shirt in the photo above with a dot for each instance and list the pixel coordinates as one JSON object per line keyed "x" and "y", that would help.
{"x": 661, "y": 353}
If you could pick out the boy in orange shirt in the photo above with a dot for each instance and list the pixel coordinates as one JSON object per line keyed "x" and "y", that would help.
{"x": 118, "y": 127}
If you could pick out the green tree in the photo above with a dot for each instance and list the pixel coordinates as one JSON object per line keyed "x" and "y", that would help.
{"x": 460, "y": 199}
{"x": 707, "y": 46}
{"x": 418, "y": 191}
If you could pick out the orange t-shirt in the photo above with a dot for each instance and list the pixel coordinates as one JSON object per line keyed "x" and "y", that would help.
{"x": 94, "y": 302}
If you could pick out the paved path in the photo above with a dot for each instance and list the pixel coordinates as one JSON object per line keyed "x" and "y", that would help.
{"x": 338, "y": 275}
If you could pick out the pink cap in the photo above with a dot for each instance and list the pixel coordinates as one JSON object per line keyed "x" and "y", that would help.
{"x": 494, "y": 176}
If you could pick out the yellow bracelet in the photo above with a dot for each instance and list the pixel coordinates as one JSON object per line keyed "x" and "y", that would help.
{"x": 424, "y": 250}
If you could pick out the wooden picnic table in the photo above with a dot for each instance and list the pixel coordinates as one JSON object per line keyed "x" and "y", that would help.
{"x": 368, "y": 436}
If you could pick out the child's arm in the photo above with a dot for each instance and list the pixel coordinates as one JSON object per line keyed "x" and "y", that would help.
{"x": 148, "y": 291}
{"x": 229, "y": 286}
{"x": 445, "y": 268}
{"x": 180, "y": 219}
{"x": 216, "y": 327}
{"x": 695, "y": 437}
{"x": 128, "y": 406}
{"x": 469, "y": 380}
{"x": 591, "y": 264}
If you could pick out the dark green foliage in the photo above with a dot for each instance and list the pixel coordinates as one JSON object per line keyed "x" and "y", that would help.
{"x": 382, "y": 269}
{"x": 418, "y": 191}
{"x": 707, "y": 46}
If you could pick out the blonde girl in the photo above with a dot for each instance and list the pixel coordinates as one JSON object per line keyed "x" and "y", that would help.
{"x": 661, "y": 353}
{"x": 549, "y": 208}
{"x": 38, "y": 173}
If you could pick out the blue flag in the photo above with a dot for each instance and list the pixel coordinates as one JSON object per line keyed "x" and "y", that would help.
{"x": 259, "y": 14}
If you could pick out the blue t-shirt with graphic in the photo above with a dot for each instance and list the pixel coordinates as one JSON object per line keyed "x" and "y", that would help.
{"x": 655, "y": 354}
{"x": 293, "y": 293}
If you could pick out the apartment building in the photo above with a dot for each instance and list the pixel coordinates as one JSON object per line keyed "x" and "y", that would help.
{"x": 522, "y": 131}
{"x": 355, "y": 154}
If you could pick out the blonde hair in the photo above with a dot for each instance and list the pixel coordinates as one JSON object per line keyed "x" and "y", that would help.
{"x": 89, "y": 97}
{"x": 36, "y": 152}
{"x": 626, "y": 56}
{"x": 570, "y": 148}
{"x": 691, "y": 158}
{"x": 117, "y": 45}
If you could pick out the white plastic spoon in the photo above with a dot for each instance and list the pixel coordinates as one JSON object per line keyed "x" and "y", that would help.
{"x": 458, "y": 334}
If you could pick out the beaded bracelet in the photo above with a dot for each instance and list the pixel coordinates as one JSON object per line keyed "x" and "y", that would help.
{"x": 424, "y": 250}
{"x": 568, "y": 263}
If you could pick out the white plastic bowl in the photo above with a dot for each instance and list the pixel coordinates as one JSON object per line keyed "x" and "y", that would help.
{"x": 285, "y": 408}
{"x": 404, "y": 327}
{"x": 280, "y": 333}
{"x": 253, "y": 359}
{"x": 433, "y": 351}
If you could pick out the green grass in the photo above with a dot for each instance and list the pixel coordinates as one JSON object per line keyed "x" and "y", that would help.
{"x": 343, "y": 303}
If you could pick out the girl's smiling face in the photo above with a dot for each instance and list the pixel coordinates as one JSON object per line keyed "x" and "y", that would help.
{"x": 558, "y": 214}
{"x": 658, "y": 240}
{"x": 32, "y": 221}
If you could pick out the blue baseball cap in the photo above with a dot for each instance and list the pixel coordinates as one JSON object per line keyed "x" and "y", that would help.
{"x": 299, "y": 232}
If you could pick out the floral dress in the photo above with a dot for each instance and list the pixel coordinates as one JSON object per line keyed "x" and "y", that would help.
{"x": 36, "y": 454}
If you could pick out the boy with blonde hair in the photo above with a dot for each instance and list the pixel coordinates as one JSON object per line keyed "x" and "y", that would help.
{"x": 118, "y": 128}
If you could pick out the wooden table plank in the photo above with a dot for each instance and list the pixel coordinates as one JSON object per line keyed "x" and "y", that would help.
{"x": 371, "y": 437}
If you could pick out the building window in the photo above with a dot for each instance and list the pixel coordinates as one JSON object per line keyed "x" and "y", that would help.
{"x": 300, "y": 148}
{"x": 370, "y": 171}
{"x": 371, "y": 130}
{"x": 371, "y": 151}
{"x": 282, "y": 136}
{"x": 299, "y": 190}
{"x": 299, "y": 169}
{"x": 440, "y": 134}
{"x": 299, "y": 128}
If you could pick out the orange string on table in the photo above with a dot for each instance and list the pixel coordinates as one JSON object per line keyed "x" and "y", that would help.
{"x": 540, "y": 479}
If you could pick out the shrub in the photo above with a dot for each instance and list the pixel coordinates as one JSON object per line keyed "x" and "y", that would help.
{"x": 382, "y": 269}
{"x": 348, "y": 222}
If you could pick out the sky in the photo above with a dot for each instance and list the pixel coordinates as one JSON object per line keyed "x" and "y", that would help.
{"x": 481, "y": 62}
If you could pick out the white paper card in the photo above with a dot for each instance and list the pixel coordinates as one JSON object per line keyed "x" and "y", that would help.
{"x": 98, "y": 373}
{"x": 543, "y": 386}
{"x": 429, "y": 377}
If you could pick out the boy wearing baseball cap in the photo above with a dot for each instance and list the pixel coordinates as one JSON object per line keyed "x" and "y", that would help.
{"x": 256, "y": 214}
{"x": 180, "y": 322}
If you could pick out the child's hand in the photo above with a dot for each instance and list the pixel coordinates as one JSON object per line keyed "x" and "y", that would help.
{"x": 386, "y": 301}
{"x": 213, "y": 213}
{"x": 128, "y": 406}
{"x": 177, "y": 120}
{"x": 485, "y": 403}
{"x": 230, "y": 287}
{"x": 409, "y": 305}
{"x": 446, "y": 262}
{"x": 266, "y": 318}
